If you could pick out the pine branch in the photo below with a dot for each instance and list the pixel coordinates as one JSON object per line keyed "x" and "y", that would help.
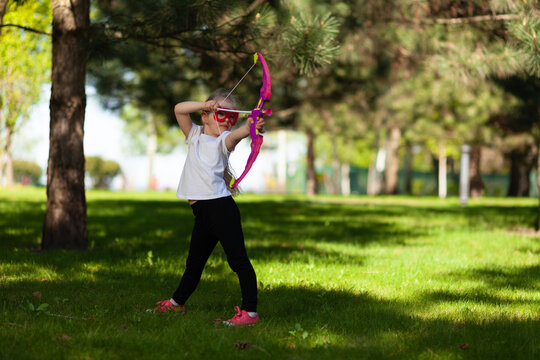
{"x": 25, "y": 28}
{"x": 464, "y": 20}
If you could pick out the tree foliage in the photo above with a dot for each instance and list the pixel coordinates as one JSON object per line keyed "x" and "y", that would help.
{"x": 101, "y": 171}
{"x": 24, "y": 68}
{"x": 26, "y": 171}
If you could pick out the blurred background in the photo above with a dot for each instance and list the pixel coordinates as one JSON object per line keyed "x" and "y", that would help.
{"x": 369, "y": 97}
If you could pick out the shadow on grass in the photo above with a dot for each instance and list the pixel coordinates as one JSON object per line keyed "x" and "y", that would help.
{"x": 338, "y": 324}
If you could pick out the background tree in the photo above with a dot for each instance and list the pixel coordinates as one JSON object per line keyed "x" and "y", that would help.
{"x": 65, "y": 218}
{"x": 148, "y": 133}
{"x": 24, "y": 68}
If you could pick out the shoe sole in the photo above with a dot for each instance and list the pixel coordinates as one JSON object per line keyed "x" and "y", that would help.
{"x": 233, "y": 324}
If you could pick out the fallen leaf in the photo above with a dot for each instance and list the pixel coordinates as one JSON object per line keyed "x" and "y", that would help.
{"x": 44, "y": 280}
{"x": 463, "y": 346}
{"x": 66, "y": 337}
{"x": 218, "y": 321}
{"x": 242, "y": 345}
{"x": 37, "y": 294}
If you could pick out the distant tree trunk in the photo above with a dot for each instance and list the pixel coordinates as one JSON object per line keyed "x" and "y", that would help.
{"x": 311, "y": 188}
{"x": 442, "y": 185}
{"x": 151, "y": 148}
{"x": 9, "y": 158}
{"x": 520, "y": 168}
{"x": 476, "y": 183}
{"x": 65, "y": 218}
{"x": 3, "y": 6}
{"x": 408, "y": 164}
{"x": 392, "y": 161}
{"x": 538, "y": 180}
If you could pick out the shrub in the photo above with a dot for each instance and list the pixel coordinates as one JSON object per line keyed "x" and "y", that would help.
{"x": 102, "y": 172}
{"x": 26, "y": 172}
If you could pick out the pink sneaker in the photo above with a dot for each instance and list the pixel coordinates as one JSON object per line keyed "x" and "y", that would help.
{"x": 242, "y": 318}
{"x": 167, "y": 305}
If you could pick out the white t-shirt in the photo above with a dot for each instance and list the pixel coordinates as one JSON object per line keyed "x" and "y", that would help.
{"x": 207, "y": 158}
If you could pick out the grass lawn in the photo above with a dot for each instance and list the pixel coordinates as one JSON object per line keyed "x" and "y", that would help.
{"x": 339, "y": 278}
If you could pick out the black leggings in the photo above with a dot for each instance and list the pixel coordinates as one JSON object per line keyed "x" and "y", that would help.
{"x": 218, "y": 220}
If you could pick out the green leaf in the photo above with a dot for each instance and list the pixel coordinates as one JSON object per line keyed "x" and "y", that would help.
{"x": 42, "y": 307}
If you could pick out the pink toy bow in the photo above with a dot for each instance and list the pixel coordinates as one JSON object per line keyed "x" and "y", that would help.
{"x": 255, "y": 114}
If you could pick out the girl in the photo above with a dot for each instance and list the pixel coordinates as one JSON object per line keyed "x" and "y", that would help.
{"x": 205, "y": 183}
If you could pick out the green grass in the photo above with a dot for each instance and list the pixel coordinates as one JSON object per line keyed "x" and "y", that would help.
{"x": 340, "y": 278}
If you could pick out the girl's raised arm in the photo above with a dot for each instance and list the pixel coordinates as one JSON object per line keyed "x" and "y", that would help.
{"x": 183, "y": 109}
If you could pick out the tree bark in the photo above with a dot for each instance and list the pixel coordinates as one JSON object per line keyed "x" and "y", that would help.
{"x": 538, "y": 180}
{"x": 311, "y": 188}
{"x": 65, "y": 218}
{"x": 9, "y": 179}
{"x": 392, "y": 161}
{"x": 3, "y": 6}
{"x": 408, "y": 164}
{"x": 476, "y": 183}
{"x": 151, "y": 148}
{"x": 520, "y": 168}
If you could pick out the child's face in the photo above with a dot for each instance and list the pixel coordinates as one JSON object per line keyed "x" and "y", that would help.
{"x": 216, "y": 128}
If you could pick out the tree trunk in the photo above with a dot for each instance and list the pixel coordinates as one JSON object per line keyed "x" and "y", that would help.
{"x": 3, "y": 6}
{"x": 476, "y": 183}
{"x": 538, "y": 181}
{"x": 443, "y": 188}
{"x": 520, "y": 168}
{"x": 392, "y": 161}
{"x": 65, "y": 218}
{"x": 408, "y": 168}
{"x": 311, "y": 188}
{"x": 151, "y": 148}
{"x": 9, "y": 158}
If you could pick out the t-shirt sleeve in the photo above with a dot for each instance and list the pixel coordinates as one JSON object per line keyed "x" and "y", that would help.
{"x": 222, "y": 138}
{"x": 194, "y": 133}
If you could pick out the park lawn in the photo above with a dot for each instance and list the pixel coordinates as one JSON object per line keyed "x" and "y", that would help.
{"x": 339, "y": 278}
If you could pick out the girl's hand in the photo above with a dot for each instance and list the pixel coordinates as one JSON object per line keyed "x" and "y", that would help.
{"x": 259, "y": 126}
{"x": 210, "y": 106}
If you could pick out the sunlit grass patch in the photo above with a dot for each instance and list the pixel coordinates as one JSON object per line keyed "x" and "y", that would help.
{"x": 358, "y": 277}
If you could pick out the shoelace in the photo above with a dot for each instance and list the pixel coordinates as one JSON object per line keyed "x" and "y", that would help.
{"x": 238, "y": 314}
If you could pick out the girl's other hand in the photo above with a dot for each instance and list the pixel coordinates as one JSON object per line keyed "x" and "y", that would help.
{"x": 260, "y": 124}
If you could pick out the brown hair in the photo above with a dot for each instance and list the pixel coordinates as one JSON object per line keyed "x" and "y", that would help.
{"x": 228, "y": 174}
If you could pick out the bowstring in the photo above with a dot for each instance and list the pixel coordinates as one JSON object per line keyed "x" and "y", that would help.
{"x": 238, "y": 83}
{"x": 226, "y": 97}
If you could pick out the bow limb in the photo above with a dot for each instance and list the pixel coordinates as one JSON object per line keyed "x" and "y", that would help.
{"x": 258, "y": 112}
